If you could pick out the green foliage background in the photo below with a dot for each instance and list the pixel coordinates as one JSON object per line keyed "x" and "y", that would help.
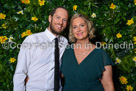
{"x": 108, "y": 23}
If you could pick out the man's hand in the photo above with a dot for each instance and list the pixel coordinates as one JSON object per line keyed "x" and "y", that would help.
{"x": 26, "y": 79}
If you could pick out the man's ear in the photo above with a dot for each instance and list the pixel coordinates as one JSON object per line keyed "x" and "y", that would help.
{"x": 49, "y": 18}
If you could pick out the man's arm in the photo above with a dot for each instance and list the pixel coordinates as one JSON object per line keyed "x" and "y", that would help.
{"x": 23, "y": 62}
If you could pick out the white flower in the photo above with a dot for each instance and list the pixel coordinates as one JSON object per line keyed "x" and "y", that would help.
{"x": 20, "y": 12}
{"x": 93, "y": 15}
{"x": 117, "y": 61}
{"x": 10, "y": 39}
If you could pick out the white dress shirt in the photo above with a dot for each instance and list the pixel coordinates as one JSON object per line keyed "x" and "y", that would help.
{"x": 36, "y": 59}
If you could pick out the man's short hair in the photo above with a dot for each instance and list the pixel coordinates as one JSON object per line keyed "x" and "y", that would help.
{"x": 54, "y": 10}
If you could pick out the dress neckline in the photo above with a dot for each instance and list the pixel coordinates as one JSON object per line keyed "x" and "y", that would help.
{"x": 84, "y": 58}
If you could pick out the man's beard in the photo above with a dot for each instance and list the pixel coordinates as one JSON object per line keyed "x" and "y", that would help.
{"x": 53, "y": 30}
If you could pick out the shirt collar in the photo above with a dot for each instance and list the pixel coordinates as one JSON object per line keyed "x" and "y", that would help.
{"x": 50, "y": 35}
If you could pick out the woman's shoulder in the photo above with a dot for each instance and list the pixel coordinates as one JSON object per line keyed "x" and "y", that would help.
{"x": 68, "y": 49}
{"x": 105, "y": 57}
{"x": 100, "y": 50}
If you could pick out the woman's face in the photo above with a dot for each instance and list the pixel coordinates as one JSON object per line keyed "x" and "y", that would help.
{"x": 79, "y": 29}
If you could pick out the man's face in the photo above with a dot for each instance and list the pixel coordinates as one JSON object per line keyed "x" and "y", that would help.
{"x": 58, "y": 21}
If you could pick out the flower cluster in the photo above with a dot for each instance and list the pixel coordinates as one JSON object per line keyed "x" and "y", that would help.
{"x": 118, "y": 61}
{"x": 4, "y": 26}
{"x": 26, "y": 33}
{"x": 2, "y": 16}
{"x": 74, "y": 7}
{"x": 103, "y": 43}
{"x": 25, "y": 1}
{"x": 3, "y": 39}
{"x": 130, "y": 22}
{"x": 134, "y": 39}
{"x": 10, "y": 39}
{"x": 12, "y": 60}
{"x": 129, "y": 88}
{"x": 20, "y": 12}
{"x": 134, "y": 59}
{"x": 135, "y": 2}
{"x": 34, "y": 19}
{"x": 134, "y": 50}
{"x": 41, "y": 2}
{"x": 93, "y": 15}
{"x": 118, "y": 35}
{"x": 123, "y": 80}
{"x": 112, "y": 6}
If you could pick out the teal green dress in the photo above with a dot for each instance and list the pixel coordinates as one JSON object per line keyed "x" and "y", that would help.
{"x": 84, "y": 76}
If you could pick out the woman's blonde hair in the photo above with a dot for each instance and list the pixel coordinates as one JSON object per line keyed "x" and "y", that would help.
{"x": 89, "y": 23}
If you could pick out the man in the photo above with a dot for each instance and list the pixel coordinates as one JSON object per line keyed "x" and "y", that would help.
{"x": 36, "y": 56}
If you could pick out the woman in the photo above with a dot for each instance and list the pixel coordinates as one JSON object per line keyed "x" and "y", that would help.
{"x": 84, "y": 67}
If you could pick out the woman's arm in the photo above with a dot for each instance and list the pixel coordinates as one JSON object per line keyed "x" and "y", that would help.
{"x": 106, "y": 80}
